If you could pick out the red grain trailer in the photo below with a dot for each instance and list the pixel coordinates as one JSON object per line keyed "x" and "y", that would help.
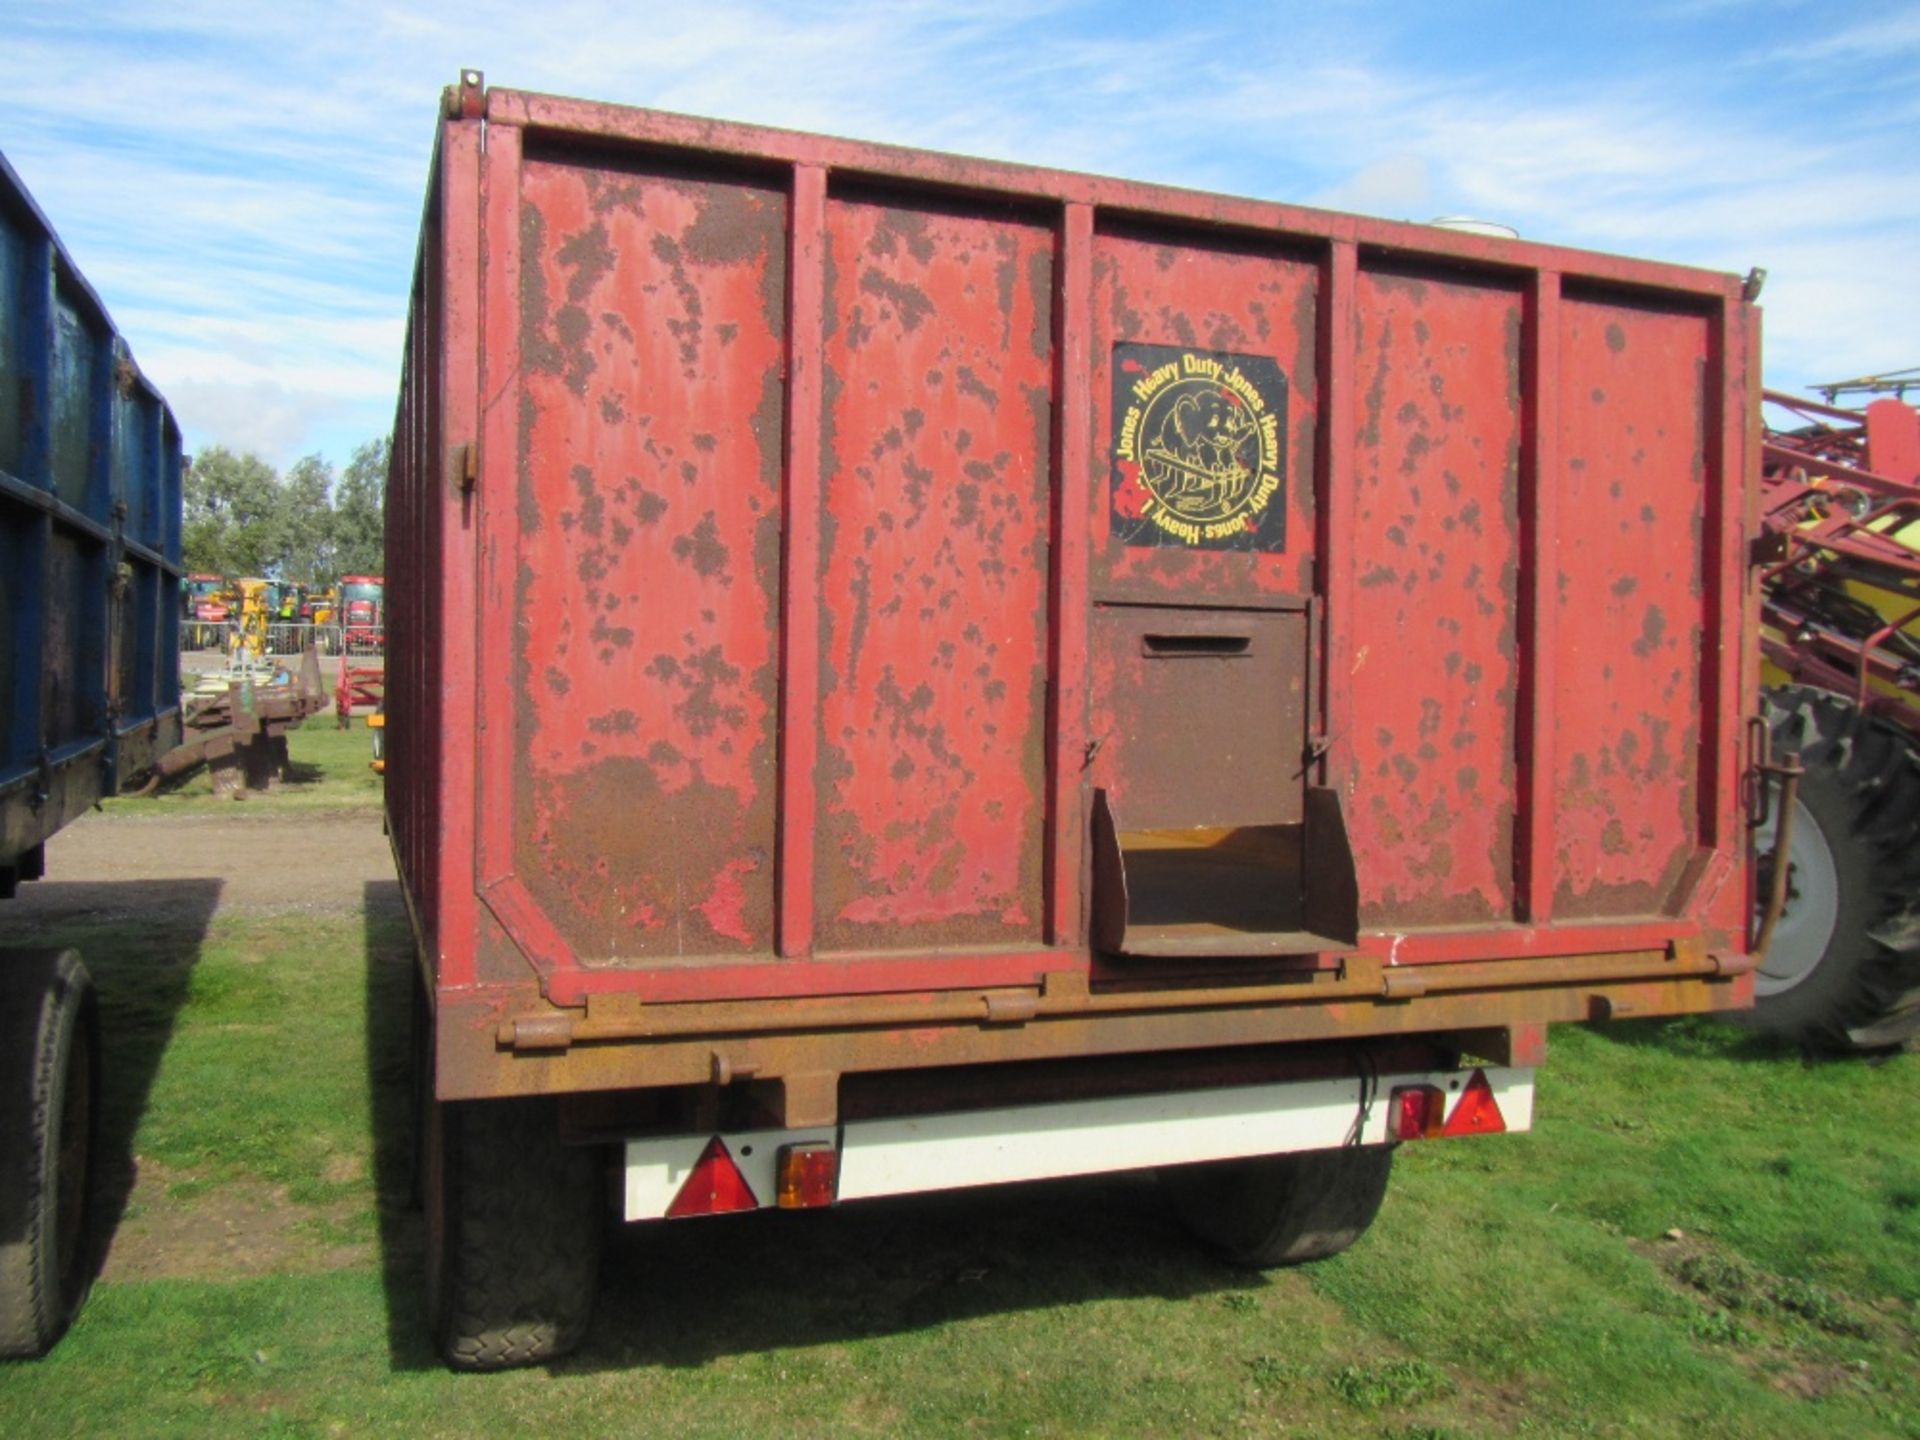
{"x": 909, "y": 672}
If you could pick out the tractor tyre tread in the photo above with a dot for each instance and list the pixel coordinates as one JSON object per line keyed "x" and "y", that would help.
{"x": 1862, "y": 782}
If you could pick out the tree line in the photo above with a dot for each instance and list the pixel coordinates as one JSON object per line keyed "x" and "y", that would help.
{"x": 242, "y": 518}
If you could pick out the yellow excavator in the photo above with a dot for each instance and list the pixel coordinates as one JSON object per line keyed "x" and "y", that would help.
{"x": 254, "y": 613}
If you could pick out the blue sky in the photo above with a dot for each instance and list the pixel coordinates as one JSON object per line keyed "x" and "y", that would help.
{"x": 242, "y": 181}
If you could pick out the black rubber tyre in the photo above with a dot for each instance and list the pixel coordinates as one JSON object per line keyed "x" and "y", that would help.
{"x": 1843, "y": 972}
{"x": 1281, "y": 1209}
{"x": 49, "y": 1128}
{"x": 514, "y": 1222}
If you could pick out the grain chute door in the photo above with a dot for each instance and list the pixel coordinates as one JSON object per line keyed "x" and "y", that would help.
{"x": 1207, "y": 839}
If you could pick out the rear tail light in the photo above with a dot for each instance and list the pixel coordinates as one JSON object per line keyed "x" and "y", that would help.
{"x": 809, "y": 1175}
{"x": 715, "y": 1187}
{"x": 1417, "y": 1112}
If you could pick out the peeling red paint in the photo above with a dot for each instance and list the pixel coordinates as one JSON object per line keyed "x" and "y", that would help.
{"x": 933, "y": 578}
{"x": 649, "y": 493}
{"x": 1219, "y": 300}
{"x": 795, "y": 465}
{"x": 1628, "y": 701}
{"x": 1437, "y": 544}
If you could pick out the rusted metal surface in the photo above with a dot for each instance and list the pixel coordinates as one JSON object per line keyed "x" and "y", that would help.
{"x": 1067, "y": 993}
{"x": 933, "y": 576}
{"x": 646, "y": 541}
{"x": 1204, "y": 714}
{"x": 1436, "y": 549}
{"x": 809, "y": 539}
{"x": 1230, "y": 300}
{"x": 90, "y": 486}
{"x": 240, "y": 735}
{"x": 1629, "y": 604}
{"x": 473, "y": 1064}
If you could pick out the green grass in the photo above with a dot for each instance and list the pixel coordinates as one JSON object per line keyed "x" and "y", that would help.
{"x": 267, "y": 1076}
{"x": 1517, "y": 1285}
{"x": 330, "y": 771}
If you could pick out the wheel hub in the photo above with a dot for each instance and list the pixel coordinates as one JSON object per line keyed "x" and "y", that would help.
{"x": 1812, "y": 908}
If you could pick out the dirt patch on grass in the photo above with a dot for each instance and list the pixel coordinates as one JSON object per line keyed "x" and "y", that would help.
{"x": 176, "y": 1230}
{"x": 1816, "y": 1381}
{"x": 1722, "y": 1279}
{"x": 1765, "y": 1322}
{"x": 265, "y": 863}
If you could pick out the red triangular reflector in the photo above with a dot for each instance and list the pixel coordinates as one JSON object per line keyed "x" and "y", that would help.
{"x": 1478, "y": 1113}
{"x": 715, "y": 1187}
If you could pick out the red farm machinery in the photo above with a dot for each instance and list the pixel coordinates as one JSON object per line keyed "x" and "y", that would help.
{"x": 362, "y": 614}
{"x": 1839, "y": 546}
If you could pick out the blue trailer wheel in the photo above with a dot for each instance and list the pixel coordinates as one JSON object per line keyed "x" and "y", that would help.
{"x": 49, "y": 1125}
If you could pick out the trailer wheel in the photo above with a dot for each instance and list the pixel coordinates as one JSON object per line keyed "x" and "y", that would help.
{"x": 49, "y": 1076}
{"x": 1281, "y": 1209}
{"x": 513, "y": 1233}
{"x": 1843, "y": 971}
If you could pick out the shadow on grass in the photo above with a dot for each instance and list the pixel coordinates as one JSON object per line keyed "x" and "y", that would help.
{"x": 140, "y": 940}
{"x": 299, "y": 772}
{"x": 389, "y": 1030}
{"x": 193, "y": 784}
{"x": 683, "y": 1293}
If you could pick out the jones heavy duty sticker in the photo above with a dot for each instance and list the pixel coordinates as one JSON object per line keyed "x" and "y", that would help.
{"x": 1199, "y": 449}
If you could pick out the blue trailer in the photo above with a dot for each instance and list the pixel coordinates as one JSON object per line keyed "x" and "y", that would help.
{"x": 90, "y": 477}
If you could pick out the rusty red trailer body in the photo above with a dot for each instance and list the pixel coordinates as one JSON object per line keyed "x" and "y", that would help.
{"x": 909, "y": 672}
{"x": 843, "y": 595}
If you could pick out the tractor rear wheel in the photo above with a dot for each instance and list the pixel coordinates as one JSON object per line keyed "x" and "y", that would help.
{"x": 1843, "y": 971}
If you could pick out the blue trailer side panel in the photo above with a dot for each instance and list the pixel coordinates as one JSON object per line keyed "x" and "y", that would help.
{"x": 90, "y": 493}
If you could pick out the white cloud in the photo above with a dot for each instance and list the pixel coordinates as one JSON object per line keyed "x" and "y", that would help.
{"x": 242, "y": 183}
{"x": 1875, "y": 39}
{"x": 1399, "y": 187}
{"x": 262, "y": 417}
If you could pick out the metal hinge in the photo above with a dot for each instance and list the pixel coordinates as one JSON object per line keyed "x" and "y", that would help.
{"x": 467, "y": 100}
{"x": 1011, "y": 1009}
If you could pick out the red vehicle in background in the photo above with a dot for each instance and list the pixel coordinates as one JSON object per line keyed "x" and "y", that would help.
{"x": 206, "y": 599}
{"x": 206, "y": 604}
{"x": 363, "y": 613}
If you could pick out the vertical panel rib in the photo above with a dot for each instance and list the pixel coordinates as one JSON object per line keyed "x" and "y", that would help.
{"x": 479, "y": 318}
{"x": 1721, "y": 689}
{"x": 1540, "y": 471}
{"x": 29, "y": 621}
{"x": 800, "y": 561}
{"x": 1338, "y": 507}
{"x": 1072, "y": 473}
